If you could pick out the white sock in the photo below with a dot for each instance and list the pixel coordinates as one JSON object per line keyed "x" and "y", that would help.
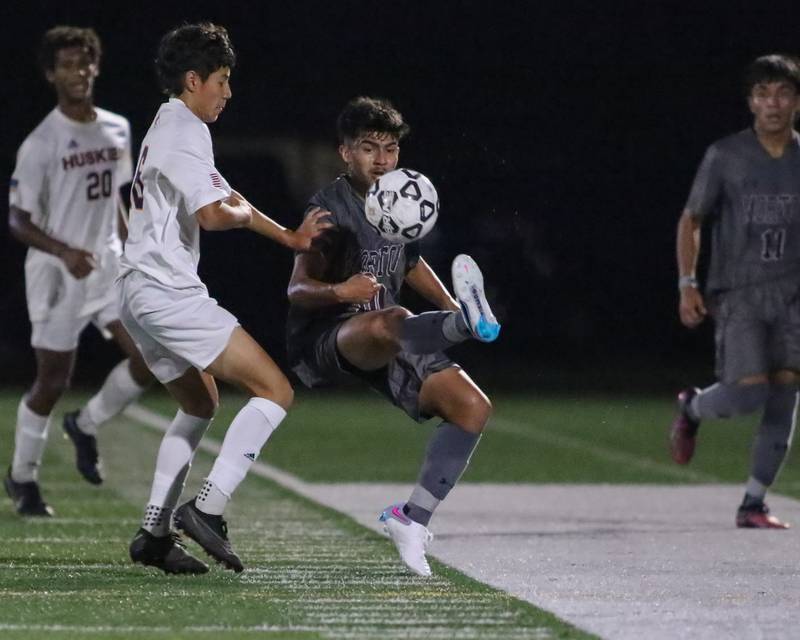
{"x": 175, "y": 459}
{"x": 117, "y": 392}
{"x": 157, "y": 520}
{"x": 249, "y": 431}
{"x": 31, "y": 437}
{"x": 211, "y": 500}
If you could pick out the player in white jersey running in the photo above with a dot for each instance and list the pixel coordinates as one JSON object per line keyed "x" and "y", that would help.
{"x": 65, "y": 205}
{"x": 186, "y": 338}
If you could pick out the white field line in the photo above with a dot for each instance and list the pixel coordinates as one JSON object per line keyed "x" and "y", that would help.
{"x": 531, "y": 432}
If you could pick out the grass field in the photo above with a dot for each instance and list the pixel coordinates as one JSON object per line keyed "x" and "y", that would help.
{"x": 312, "y": 573}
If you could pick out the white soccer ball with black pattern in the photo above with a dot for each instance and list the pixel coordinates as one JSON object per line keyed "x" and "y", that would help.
{"x": 402, "y": 205}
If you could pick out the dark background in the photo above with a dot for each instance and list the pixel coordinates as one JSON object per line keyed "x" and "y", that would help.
{"x": 562, "y": 137}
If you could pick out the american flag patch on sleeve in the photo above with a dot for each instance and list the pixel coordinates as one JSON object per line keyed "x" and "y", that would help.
{"x": 216, "y": 180}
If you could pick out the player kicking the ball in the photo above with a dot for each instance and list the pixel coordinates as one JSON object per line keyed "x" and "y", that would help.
{"x": 343, "y": 320}
{"x": 65, "y": 205}
{"x": 186, "y": 338}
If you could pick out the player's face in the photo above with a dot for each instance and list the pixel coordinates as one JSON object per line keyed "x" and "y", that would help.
{"x": 369, "y": 156}
{"x": 208, "y": 98}
{"x": 73, "y": 75}
{"x": 774, "y": 106}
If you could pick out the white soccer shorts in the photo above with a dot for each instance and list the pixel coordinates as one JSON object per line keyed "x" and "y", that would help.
{"x": 60, "y": 306}
{"x": 174, "y": 329}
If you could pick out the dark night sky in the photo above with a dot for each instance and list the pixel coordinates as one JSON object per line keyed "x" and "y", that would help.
{"x": 562, "y": 137}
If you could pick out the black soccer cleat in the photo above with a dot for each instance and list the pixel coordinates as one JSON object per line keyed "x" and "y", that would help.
{"x": 164, "y": 552}
{"x": 210, "y": 532}
{"x": 86, "y": 458}
{"x": 27, "y": 498}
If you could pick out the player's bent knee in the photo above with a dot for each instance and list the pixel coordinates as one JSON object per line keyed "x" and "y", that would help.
{"x": 51, "y": 388}
{"x": 387, "y": 324}
{"x": 205, "y": 408}
{"x": 280, "y": 392}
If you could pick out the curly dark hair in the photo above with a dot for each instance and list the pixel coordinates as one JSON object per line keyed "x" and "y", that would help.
{"x": 202, "y": 48}
{"x": 364, "y": 114}
{"x": 65, "y": 37}
{"x": 772, "y": 68}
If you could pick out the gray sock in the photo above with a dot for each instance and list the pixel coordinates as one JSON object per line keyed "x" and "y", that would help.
{"x": 433, "y": 331}
{"x": 446, "y": 458}
{"x": 727, "y": 400}
{"x": 157, "y": 520}
{"x": 774, "y": 434}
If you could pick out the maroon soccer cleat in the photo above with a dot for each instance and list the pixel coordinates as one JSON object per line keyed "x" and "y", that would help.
{"x": 683, "y": 431}
{"x": 757, "y": 517}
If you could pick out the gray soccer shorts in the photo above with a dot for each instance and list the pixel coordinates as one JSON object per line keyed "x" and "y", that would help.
{"x": 315, "y": 359}
{"x": 757, "y": 330}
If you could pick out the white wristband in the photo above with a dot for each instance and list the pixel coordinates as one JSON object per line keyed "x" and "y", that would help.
{"x": 687, "y": 281}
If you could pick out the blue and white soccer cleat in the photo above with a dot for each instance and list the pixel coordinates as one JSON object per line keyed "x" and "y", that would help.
{"x": 468, "y": 287}
{"x": 410, "y": 538}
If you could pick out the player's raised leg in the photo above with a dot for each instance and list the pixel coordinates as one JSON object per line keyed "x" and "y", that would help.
{"x": 123, "y": 385}
{"x": 245, "y": 364}
{"x": 452, "y": 395}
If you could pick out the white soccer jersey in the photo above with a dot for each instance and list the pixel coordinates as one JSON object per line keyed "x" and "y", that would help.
{"x": 68, "y": 176}
{"x": 175, "y": 177}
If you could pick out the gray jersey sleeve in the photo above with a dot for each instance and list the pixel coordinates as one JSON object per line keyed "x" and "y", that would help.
{"x": 707, "y": 186}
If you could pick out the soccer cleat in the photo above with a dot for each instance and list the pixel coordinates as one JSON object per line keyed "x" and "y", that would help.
{"x": 86, "y": 459}
{"x": 210, "y": 532}
{"x": 683, "y": 431}
{"x": 410, "y": 538}
{"x": 468, "y": 287}
{"x": 757, "y": 517}
{"x": 166, "y": 553}
{"x": 27, "y": 498}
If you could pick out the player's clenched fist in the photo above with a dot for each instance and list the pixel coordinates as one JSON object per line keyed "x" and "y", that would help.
{"x": 692, "y": 308}
{"x": 359, "y": 288}
{"x": 78, "y": 262}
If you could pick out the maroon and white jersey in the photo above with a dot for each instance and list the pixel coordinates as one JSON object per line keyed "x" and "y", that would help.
{"x": 174, "y": 178}
{"x": 68, "y": 176}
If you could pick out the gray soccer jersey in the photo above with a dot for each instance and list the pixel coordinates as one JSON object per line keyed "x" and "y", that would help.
{"x": 352, "y": 246}
{"x": 753, "y": 203}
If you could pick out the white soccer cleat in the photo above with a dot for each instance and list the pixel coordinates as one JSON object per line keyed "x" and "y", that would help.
{"x": 468, "y": 287}
{"x": 410, "y": 538}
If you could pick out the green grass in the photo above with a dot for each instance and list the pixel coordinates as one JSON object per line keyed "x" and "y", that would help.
{"x": 331, "y": 437}
{"x": 312, "y": 573}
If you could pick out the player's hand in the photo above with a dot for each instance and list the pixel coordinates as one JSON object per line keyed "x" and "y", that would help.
{"x": 79, "y": 263}
{"x": 692, "y": 308}
{"x": 359, "y": 288}
{"x": 313, "y": 225}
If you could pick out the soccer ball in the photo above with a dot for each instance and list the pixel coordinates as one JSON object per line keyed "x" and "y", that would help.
{"x": 402, "y": 205}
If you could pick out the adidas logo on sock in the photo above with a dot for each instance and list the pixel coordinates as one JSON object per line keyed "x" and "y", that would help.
{"x": 250, "y": 456}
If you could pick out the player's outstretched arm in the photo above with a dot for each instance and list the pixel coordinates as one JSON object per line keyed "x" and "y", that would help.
{"x": 301, "y": 239}
{"x": 422, "y": 279}
{"x": 307, "y": 290}
{"x": 691, "y": 309}
{"x": 78, "y": 262}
